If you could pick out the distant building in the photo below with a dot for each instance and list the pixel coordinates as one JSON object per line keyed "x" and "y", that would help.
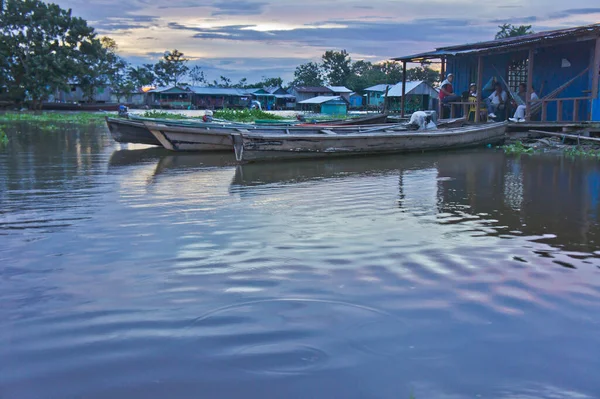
{"x": 302, "y": 93}
{"x": 355, "y": 100}
{"x": 219, "y": 97}
{"x": 329, "y": 105}
{"x": 420, "y": 96}
{"x": 376, "y": 94}
{"x": 170, "y": 97}
{"x": 102, "y": 94}
{"x": 274, "y": 98}
{"x": 341, "y": 91}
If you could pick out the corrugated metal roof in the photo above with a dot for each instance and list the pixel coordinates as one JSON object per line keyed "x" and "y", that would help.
{"x": 509, "y": 43}
{"x": 379, "y": 88}
{"x": 320, "y": 100}
{"x": 312, "y": 89}
{"x": 167, "y": 88}
{"x": 220, "y": 91}
{"x": 339, "y": 89}
{"x": 417, "y": 87}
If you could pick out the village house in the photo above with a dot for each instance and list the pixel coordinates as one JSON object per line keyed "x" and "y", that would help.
{"x": 420, "y": 96}
{"x": 170, "y": 97}
{"x": 274, "y": 98}
{"x": 355, "y": 100}
{"x": 562, "y": 66}
{"x": 375, "y": 95}
{"x": 219, "y": 97}
{"x": 341, "y": 91}
{"x": 302, "y": 93}
{"x": 102, "y": 94}
{"x": 329, "y": 105}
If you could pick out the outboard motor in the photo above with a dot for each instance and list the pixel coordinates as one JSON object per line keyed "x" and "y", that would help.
{"x": 123, "y": 111}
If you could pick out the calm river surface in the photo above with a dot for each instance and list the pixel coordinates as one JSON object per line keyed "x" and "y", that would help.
{"x": 138, "y": 273}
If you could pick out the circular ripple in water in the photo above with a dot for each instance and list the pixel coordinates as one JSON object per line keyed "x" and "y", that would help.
{"x": 294, "y": 335}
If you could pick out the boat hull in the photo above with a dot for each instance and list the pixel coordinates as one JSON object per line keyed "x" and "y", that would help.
{"x": 258, "y": 147}
{"x": 128, "y": 131}
{"x": 183, "y": 138}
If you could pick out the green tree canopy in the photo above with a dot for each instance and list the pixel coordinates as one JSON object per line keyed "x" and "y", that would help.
{"x": 142, "y": 75}
{"x": 509, "y": 30}
{"x": 43, "y": 47}
{"x": 171, "y": 69}
{"x": 336, "y": 67}
{"x": 308, "y": 74}
{"x": 196, "y": 75}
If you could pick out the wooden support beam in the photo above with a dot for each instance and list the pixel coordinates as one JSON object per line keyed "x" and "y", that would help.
{"x": 575, "y": 110}
{"x": 403, "y": 99}
{"x": 443, "y": 74}
{"x": 544, "y": 111}
{"x": 479, "y": 89}
{"x": 559, "y": 110}
{"x": 570, "y": 136}
{"x": 529, "y": 85}
{"x": 596, "y": 69}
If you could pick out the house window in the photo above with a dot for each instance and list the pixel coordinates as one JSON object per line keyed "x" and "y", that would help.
{"x": 73, "y": 88}
{"x": 517, "y": 73}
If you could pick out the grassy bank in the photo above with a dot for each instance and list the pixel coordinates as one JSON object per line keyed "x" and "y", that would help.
{"x": 234, "y": 115}
{"x": 3, "y": 137}
{"x": 52, "y": 117}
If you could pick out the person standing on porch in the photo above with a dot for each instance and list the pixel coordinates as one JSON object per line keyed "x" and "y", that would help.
{"x": 496, "y": 101}
{"x": 447, "y": 91}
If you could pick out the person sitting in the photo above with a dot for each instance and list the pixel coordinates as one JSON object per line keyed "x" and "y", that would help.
{"x": 473, "y": 90}
{"x": 496, "y": 101}
{"x": 519, "y": 115}
{"x": 447, "y": 91}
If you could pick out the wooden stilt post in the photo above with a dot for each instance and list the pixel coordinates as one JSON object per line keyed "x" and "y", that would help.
{"x": 595, "y": 73}
{"x": 479, "y": 89}
{"x": 529, "y": 85}
{"x": 443, "y": 72}
{"x": 403, "y": 100}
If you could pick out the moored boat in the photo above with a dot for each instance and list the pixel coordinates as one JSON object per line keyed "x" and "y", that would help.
{"x": 124, "y": 130}
{"x": 254, "y": 146}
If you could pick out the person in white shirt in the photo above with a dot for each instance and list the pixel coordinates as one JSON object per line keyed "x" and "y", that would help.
{"x": 496, "y": 100}
{"x": 519, "y": 115}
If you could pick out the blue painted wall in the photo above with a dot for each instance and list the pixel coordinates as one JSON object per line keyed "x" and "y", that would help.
{"x": 356, "y": 101}
{"x": 548, "y": 74}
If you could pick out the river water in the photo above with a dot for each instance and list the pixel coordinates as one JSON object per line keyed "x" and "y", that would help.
{"x": 137, "y": 273}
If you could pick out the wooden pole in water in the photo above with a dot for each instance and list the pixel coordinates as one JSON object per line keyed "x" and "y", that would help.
{"x": 443, "y": 74}
{"x": 479, "y": 88}
{"x": 387, "y": 89}
{"x": 403, "y": 100}
{"x": 529, "y": 85}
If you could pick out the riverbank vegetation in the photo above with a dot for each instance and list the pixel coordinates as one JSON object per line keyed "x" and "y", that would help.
{"x": 549, "y": 146}
{"x": 52, "y": 117}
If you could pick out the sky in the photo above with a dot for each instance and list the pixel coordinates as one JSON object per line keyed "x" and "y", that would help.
{"x": 269, "y": 38}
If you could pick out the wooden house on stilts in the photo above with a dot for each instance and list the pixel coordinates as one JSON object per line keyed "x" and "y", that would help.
{"x": 562, "y": 65}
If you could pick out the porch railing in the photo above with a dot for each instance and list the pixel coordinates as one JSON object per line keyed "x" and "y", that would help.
{"x": 559, "y": 107}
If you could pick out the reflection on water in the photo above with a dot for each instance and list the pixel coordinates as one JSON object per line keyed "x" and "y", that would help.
{"x": 135, "y": 272}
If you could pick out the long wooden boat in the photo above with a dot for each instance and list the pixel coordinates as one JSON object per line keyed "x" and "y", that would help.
{"x": 218, "y": 137}
{"x": 252, "y": 146}
{"x": 124, "y": 130}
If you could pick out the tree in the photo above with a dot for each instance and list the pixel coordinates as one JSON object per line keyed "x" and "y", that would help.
{"x": 142, "y": 75}
{"x": 223, "y": 82}
{"x": 171, "y": 69}
{"x": 100, "y": 66}
{"x": 509, "y": 30}
{"x": 196, "y": 74}
{"x": 43, "y": 47}
{"x": 391, "y": 70}
{"x": 424, "y": 73}
{"x": 308, "y": 74}
{"x": 120, "y": 80}
{"x": 265, "y": 82}
{"x": 336, "y": 67}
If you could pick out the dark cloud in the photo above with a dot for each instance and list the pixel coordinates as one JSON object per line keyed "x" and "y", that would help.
{"x": 239, "y": 7}
{"x": 126, "y": 22}
{"x": 574, "y": 11}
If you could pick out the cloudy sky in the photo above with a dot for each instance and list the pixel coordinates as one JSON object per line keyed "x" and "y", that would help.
{"x": 255, "y": 38}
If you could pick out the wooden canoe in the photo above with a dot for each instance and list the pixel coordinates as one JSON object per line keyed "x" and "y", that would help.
{"x": 252, "y": 146}
{"x": 124, "y": 130}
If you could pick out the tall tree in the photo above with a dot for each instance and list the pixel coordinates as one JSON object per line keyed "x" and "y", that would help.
{"x": 171, "y": 69}
{"x": 336, "y": 66}
{"x": 142, "y": 75}
{"x": 391, "y": 71}
{"x": 265, "y": 82}
{"x": 100, "y": 66}
{"x": 42, "y": 48}
{"x": 308, "y": 74}
{"x": 196, "y": 75}
{"x": 424, "y": 73}
{"x": 509, "y": 30}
